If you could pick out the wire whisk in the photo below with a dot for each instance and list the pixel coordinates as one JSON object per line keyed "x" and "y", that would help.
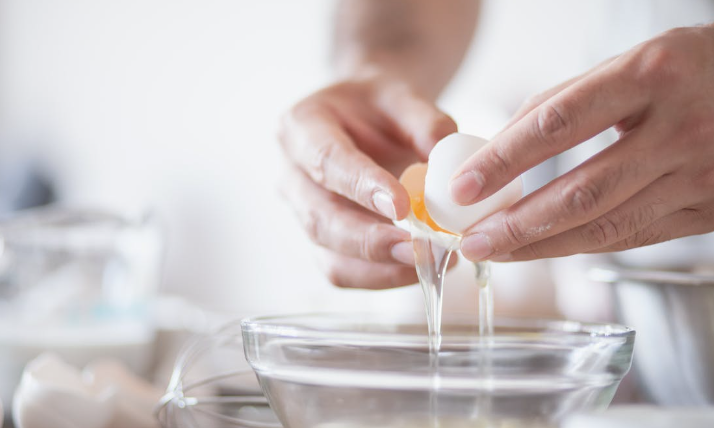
{"x": 212, "y": 385}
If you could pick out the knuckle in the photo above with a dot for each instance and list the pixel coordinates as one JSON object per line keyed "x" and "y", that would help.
{"x": 514, "y": 232}
{"x": 657, "y": 63}
{"x": 700, "y": 215}
{"x": 360, "y": 189}
{"x": 655, "y": 237}
{"x": 335, "y": 277}
{"x": 698, "y": 129}
{"x": 531, "y": 102}
{"x": 333, "y": 272}
{"x": 645, "y": 238}
{"x": 375, "y": 243}
{"x": 289, "y": 119}
{"x": 644, "y": 216}
{"x": 580, "y": 198}
{"x": 531, "y": 252}
{"x": 300, "y": 111}
{"x": 601, "y": 232}
{"x": 497, "y": 162}
{"x": 707, "y": 217}
{"x": 313, "y": 225}
{"x": 705, "y": 180}
{"x": 553, "y": 124}
{"x": 319, "y": 164}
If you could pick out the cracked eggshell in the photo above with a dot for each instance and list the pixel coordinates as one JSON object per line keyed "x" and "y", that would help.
{"x": 53, "y": 393}
{"x": 445, "y": 158}
{"x": 106, "y": 394}
{"x": 413, "y": 181}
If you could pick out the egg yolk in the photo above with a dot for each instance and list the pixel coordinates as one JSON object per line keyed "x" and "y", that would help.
{"x": 413, "y": 181}
{"x": 419, "y": 209}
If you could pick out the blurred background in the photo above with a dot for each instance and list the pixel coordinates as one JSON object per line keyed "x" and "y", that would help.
{"x": 169, "y": 109}
{"x": 172, "y": 106}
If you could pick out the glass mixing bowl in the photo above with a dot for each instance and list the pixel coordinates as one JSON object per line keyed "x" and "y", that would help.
{"x": 375, "y": 370}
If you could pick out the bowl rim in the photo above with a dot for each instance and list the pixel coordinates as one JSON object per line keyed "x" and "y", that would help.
{"x": 275, "y": 325}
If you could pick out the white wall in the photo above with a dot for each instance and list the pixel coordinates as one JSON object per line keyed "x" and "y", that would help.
{"x": 174, "y": 105}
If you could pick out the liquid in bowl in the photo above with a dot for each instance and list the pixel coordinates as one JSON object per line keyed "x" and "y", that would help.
{"x": 371, "y": 370}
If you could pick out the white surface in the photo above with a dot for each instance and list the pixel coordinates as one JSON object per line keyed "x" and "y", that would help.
{"x": 175, "y": 105}
{"x": 645, "y": 417}
{"x": 444, "y": 159}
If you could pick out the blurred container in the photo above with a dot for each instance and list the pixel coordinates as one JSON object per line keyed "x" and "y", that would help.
{"x": 77, "y": 282}
{"x": 673, "y": 313}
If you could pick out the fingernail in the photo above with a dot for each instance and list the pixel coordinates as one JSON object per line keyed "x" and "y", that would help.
{"x": 476, "y": 247}
{"x": 384, "y": 204}
{"x": 465, "y": 188}
{"x": 403, "y": 252}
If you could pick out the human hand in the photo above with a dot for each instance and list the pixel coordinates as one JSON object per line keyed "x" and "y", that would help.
{"x": 346, "y": 144}
{"x": 654, "y": 184}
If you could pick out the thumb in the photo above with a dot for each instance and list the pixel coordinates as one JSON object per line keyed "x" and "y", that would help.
{"x": 418, "y": 120}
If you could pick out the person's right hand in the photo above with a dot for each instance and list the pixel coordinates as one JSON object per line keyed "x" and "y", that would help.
{"x": 346, "y": 145}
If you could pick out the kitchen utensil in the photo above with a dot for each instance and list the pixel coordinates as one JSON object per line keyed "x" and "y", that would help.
{"x": 359, "y": 370}
{"x": 212, "y": 385}
{"x": 673, "y": 313}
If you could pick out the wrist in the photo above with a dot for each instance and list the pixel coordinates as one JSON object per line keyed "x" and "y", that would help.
{"x": 386, "y": 73}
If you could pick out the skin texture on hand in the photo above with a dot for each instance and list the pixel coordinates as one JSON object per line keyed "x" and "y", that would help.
{"x": 346, "y": 144}
{"x": 654, "y": 184}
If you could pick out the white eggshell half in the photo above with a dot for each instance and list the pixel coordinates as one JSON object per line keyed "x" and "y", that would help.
{"x": 446, "y": 157}
{"x": 54, "y": 394}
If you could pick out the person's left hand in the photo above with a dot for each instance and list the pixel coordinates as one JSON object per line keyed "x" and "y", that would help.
{"x": 654, "y": 184}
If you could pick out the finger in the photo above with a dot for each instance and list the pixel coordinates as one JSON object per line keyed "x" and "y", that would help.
{"x": 315, "y": 142}
{"x": 417, "y": 119}
{"x": 348, "y": 272}
{"x": 539, "y": 99}
{"x": 342, "y": 226}
{"x": 633, "y": 215}
{"x": 577, "y": 113}
{"x": 686, "y": 222}
{"x": 589, "y": 191}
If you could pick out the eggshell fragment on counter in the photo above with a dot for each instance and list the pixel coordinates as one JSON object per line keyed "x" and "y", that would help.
{"x": 106, "y": 394}
{"x": 445, "y": 158}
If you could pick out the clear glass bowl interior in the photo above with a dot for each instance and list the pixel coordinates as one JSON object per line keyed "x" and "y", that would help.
{"x": 376, "y": 369}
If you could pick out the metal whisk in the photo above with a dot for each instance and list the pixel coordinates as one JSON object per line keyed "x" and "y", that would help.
{"x": 212, "y": 385}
